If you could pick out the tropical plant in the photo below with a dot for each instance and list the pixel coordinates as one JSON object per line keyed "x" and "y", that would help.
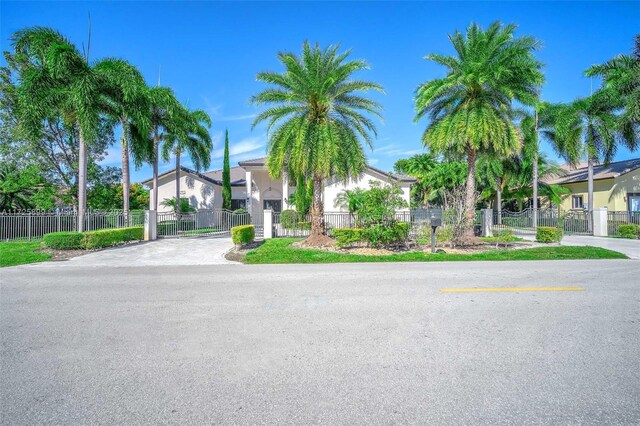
{"x": 316, "y": 120}
{"x": 125, "y": 101}
{"x": 587, "y": 127}
{"x": 622, "y": 75}
{"x": 183, "y": 207}
{"x": 188, "y": 133}
{"x": 226, "y": 175}
{"x": 418, "y": 166}
{"x": 57, "y": 78}
{"x": 471, "y": 109}
{"x": 350, "y": 199}
{"x": 303, "y": 196}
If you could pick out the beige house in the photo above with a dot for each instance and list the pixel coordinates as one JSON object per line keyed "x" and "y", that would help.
{"x": 616, "y": 186}
{"x": 253, "y": 189}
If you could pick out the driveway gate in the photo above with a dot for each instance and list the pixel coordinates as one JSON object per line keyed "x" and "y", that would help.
{"x": 211, "y": 223}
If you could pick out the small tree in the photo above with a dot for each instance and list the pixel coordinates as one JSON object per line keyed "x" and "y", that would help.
{"x": 226, "y": 175}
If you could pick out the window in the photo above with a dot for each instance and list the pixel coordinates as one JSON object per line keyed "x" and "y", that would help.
{"x": 238, "y": 204}
{"x": 634, "y": 202}
{"x": 275, "y": 205}
{"x": 577, "y": 202}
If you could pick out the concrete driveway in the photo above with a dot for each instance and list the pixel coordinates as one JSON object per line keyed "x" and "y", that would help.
{"x": 321, "y": 344}
{"x": 629, "y": 247}
{"x": 163, "y": 252}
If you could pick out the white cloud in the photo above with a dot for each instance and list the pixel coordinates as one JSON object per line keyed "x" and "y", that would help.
{"x": 396, "y": 150}
{"x": 372, "y": 161}
{"x": 235, "y": 117}
{"x": 245, "y": 146}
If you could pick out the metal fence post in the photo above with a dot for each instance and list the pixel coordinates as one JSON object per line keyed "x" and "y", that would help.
{"x": 487, "y": 222}
{"x": 29, "y": 227}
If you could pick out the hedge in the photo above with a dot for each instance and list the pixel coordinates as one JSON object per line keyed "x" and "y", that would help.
{"x": 347, "y": 236}
{"x": 385, "y": 235}
{"x": 92, "y": 239}
{"x": 243, "y": 234}
{"x": 111, "y": 237}
{"x": 288, "y": 219}
{"x": 64, "y": 240}
{"x": 548, "y": 234}
{"x": 630, "y": 231}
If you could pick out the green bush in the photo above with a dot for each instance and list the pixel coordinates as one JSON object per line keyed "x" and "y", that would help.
{"x": 111, "y": 237}
{"x": 304, "y": 225}
{"x": 548, "y": 234}
{"x": 384, "y": 235}
{"x": 64, "y": 240}
{"x": 288, "y": 219}
{"x": 243, "y": 234}
{"x": 347, "y": 236}
{"x": 629, "y": 231}
{"x": 504, "y": 236}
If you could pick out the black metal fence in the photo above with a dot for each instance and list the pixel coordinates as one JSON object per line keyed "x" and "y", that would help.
{"x": 200, "y": 223}
{"x": 615, "y": 219}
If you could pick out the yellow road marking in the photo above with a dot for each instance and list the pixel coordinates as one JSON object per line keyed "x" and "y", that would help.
{"x": 508, "y": 289}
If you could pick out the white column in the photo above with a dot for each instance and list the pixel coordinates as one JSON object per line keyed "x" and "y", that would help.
{"x": 268, "y": 224}
{"x": 248, "y": 178}
{"x": 600, "y": 222}
{"x": 150, "y": 225}
{"x": 285, "y": 191}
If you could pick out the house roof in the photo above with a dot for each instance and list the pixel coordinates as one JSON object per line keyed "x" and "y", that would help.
{"x": 402, "y": 178}
{"x": 202, "y": 176}
{"x": 600, "y": 171}
{"x": 237, "y": 175}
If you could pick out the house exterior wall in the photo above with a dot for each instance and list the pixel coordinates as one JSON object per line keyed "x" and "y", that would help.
{"x": 610, "y": 193}
{"x": 335, "y": 187}
{"x": 200, "y": 193}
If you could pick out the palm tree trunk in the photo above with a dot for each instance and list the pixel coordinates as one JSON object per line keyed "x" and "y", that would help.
{"x": 317, "y": 209}
{"x": 154, "y": 194}
{"x": 499, "y": 199}
{"x": 535, "y": 176}
{"x": 590, "y": 194}
{"x": 82, "y": 179}
{"x": 177, "y": 181}
{"x": 470, "y": 196}
{"x": 126, "y": 180}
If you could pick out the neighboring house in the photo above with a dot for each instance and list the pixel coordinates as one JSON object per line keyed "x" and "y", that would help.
{"x": 616, "y": 186}
{"x": 204, "y": 190}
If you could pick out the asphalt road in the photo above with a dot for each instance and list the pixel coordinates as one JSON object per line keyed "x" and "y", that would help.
{"x": 330, "y": 344}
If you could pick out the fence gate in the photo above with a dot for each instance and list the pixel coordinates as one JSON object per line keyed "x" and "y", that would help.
{"x": 211, "y": 223}
{"x": 522, "y": 223}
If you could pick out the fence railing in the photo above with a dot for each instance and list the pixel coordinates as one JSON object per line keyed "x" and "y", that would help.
{"x": 33, "y": 225}
{"x": 201, "y": 222}
{"x": 615, "y": 219}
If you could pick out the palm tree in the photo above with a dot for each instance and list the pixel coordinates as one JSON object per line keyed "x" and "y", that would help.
{"x": 316, "y": 120}
{"x": 471, "y": 109}
{"x": 350, "y": 199}
{"x": 622, "y": 75}
{"x": 419, "y": 166}
{"x": 58, "y": 80}
{"x": 188, "y": 132}
{"x": 126, "y": 103}
{"x": 587, "y": 127}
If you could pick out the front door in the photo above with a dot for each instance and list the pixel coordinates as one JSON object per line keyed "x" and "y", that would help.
{"x": 275, "y": 205}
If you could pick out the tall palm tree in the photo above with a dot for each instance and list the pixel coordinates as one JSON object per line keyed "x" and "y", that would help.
{"x": 188, "y": 133}
{"x": 316, "y": 120}
{"x": 125, "y": 102}
{"x": 57, "y": 79}
{"x": 622, "y": 75}
{"x": 471, "y": 109}
{"x": 587, "y": 127}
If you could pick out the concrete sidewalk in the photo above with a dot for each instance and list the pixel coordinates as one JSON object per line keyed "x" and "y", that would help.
{"x": 163, "y": 252}
{"x": 629, "y": 247}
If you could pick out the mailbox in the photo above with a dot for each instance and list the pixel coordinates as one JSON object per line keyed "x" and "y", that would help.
{"x": 436, "y": 221}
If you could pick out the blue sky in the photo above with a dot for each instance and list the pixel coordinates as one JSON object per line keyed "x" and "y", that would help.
{"x": 210, "y": 52}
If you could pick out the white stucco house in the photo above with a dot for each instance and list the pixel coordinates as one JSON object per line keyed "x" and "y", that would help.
{"x": 253, "y": 189}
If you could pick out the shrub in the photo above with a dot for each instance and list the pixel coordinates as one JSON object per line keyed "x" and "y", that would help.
{"x": 243, "y": 234}
{"x": 347, "y": 236}
{"x": 64, "y": 240}
{"x": 504, "y": 236}
{"x": 384, "y": 235}
{"x": 111, "y": 237}
{"x": 548, "y": 234}
{"x": 629, "y": 231}
{"x": 304, "y": 225}
{"x": 288, "y": 219}
{"x": 444, "y": 235}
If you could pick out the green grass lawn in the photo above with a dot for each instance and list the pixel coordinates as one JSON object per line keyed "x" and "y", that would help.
{"x": 279, "y": 250}
{"x": 21, "y": 252}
